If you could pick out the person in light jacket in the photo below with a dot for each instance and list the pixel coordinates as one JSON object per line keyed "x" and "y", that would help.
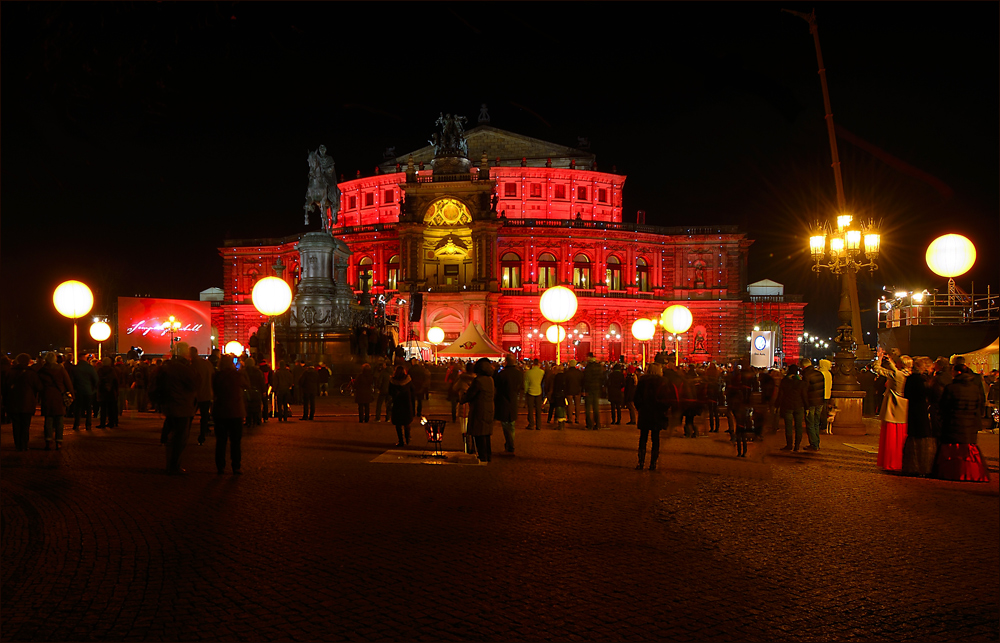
{"x": 892, "y": 434}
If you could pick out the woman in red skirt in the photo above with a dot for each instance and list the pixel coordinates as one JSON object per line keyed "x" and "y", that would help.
{"x": 962, "y": 406}
{"x": 892, "y": 435}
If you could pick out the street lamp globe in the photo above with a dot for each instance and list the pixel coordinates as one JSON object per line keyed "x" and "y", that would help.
{"x": 676, "y": 319}
{"x": 643, "y": 329}
{"x": 435, "y": 335}
{"x": 73, "y": 299}
{"x": 234, "y": 348}
{"x": 100, "y": 331}
{"x": 271, "y": 296}
{"x": 951, "y": 255}
{"x": 558, "y": 304}
{"x": 555, "y": 334}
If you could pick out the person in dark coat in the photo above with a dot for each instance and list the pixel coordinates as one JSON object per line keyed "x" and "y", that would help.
{"x": 559, "y": 396}
{"x": 652, "y": 403}
{"x": 21, "y": 398}
{"x": 364, "y": 394}
{"x": 920, "y": 447}
{"x": 480, "y": 398}
{"x": 176, "y": 384}
{"x": 962, "y": 404}
{"x": 309, "y": 387}
{"x": 940, "y": 380}
{"x": 631, "y": 381}
{"x": 508, "y": 383}
{"x": 866, "y": 378}
{"x": 574, "y": 389}
{"x": 402, "y": 394}
{"x": 281, "y": 383}
{"x": 816, "y": 398}
{"x": 55, "y": 382}
{"x": 256, "y": 392}
{"x": 107, "y": 394}
{"x": 792, "y": 402}
{"x": 381, "y": 388}
{"x": 85, "y": 383}
{"x": 421, "y": 385}
{"x": 616, "y": 392}
{"x": 228, "y": 410}
{"x": 593, "y": 381}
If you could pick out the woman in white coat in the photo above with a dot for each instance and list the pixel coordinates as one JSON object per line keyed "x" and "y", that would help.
{"x": 892, "y": 435}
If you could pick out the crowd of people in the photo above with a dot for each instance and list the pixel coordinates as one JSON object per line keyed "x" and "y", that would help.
{"x": 930, "y": 411}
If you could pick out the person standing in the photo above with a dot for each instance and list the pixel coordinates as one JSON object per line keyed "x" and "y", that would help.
{"x": 297, "y": 367}
{"x": 480, "y": 398}
{"x": 652, "y": 400}
{"x": 892, "y": 434}
{"x": 533, "y": 394}
{"x": 206, "y": 373}
{"x": 631, "y": 381}
{"x": 324, "y": 380}
{"x": 920, "y": 446}
{"x": 401, "y": 392}
{"x": 256, "y": 392}
{"x": 450, "y": 377}
{"x": 559, "y": 398}
{"x": 85, "y": 383}
{"x": 229, "y": 388}
{"x": 962, "y": 405}
{"x": 309, "y": 388}
{"x": 381, "y": 388}
{"x": 140, "y": 376}
{"x": 713, "y": 390}
{"x": 793, "y": 398}
{"x": 177, "y": 384}
{"x": 508, "y": 382}
{"x": 616, "y": 392}
{"x": 462, "y": 384}
{"x": 363, "y": 393}
{"x": 107, "y": 394}
{"x": 815, "y": 396}
{"x": 941, "y": 378}
{"x": 282, "y": 386}
{"x": 421, "y": 385}
{"x": 55, "y": 384}
{"x": 693, "y": 400}
{"x": 21, "y": 400}
{"x": 574, "y": 388}
{"x": 593, "y": 381}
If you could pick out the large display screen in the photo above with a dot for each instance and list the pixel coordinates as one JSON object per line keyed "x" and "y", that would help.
{"x": 141, "y": 323}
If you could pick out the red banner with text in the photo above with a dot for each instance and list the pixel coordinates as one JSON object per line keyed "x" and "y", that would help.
{"x": 144, "y": 323}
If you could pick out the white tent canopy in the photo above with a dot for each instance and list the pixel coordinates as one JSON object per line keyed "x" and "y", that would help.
{"x": 983, "y": 360}
{"x": 472, "y": 343}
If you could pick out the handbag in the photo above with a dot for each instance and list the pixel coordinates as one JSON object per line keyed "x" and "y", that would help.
{"x": 67, "y": 399}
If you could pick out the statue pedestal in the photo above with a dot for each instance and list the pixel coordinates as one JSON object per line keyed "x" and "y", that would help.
{"x": 698, "y": 358}
{"x": 849, "y": 419}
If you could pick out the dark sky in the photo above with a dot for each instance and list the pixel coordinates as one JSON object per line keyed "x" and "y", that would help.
{"x": 137, "y": 136}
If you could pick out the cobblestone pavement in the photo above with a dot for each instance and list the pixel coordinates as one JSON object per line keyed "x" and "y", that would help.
{"x": 564, "y": 541}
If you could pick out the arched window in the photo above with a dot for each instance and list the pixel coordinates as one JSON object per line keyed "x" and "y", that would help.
{"x": 510, "y": 271}
{"x": 582, "y": 328}
{"x": 613, "y": 274}
{"x": 365, "y": 272}
{"x": 642, "y": 275}
{"x": 581, "y": 272}
{"x": 547, "y": 275}
{"x": 392, "y": 274}
{"x": 511, "y": 328}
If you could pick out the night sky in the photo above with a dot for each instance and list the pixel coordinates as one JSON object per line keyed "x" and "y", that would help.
{"x": 136, "y": 137}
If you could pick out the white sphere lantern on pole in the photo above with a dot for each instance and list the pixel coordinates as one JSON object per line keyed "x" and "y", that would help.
{"x": 558, "y": 304}
{"x": 73, "y": 299}
{"x": 271, "y": 296}
{"x": 951, "y": 255}
{"x": 233, "y": 348}
{"x": 100, "y": 331}
{"x": 435, "y": 335}
{"x": 643, "y": 330}
{"x": 676, "y": 319}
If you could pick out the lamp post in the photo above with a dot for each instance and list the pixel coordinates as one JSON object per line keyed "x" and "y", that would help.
{"x": 271, "y": 296}
{"x": 435, "y": 335}
{"x": 173, "y": 326}
{"x": 100, "y": 331}
{"x": 556, "y": 334}
{"x": 558, "y": 305}
{"x": 676, "y": 319}
{"x": 73, "y": 299}
{"x": 233, "y": 348}
{"x": 643, "y": 330}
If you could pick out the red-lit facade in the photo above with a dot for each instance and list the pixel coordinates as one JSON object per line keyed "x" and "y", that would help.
{"x": 557, "y": 219}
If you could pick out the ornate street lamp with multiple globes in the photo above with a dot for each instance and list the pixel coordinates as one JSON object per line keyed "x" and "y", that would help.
{"x": 73, "y": 299}
{"x": 558, "y": 305}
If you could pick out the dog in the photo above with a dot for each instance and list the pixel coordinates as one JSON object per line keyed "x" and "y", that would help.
{"x": 830, "y": 418}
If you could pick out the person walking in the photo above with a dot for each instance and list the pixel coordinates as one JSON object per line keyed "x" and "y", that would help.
{"x": 309, "y": 387}
{"x": 793, "y": 398}
{"x": 616, "y": 392}
{"x": 534, "y": 395}
{"x": 229, "y": 388}
{"x": 55, "y": 384}
{"x": 920, "y": 447}
{"x": 402, "y": 393}
{"x": 21, "y": 399}
{"x": 480, "y": 398}
{"x": 363, "y": 393}
{"x": 86, "y": 384}
{"x": 962, "y": 404}
{"x": 892, "y": 434}
{"x": 508, "y": 382}
{"x": 177, "y": 385}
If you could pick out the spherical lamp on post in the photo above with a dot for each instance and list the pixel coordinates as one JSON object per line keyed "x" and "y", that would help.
{"x": 643, "y": 330}
{"x": 435, "y": 336}
{"x": 233, "y": 348}
{"x": 100, "y": 331}
{"x": 558, "y": 304}
{"x": 73, "y": 299}
{"x": 676, "y": 319}
{"x": 557, "y": 335}
{"x": 951, "y": 255}
{"x": 271, "y": 296}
